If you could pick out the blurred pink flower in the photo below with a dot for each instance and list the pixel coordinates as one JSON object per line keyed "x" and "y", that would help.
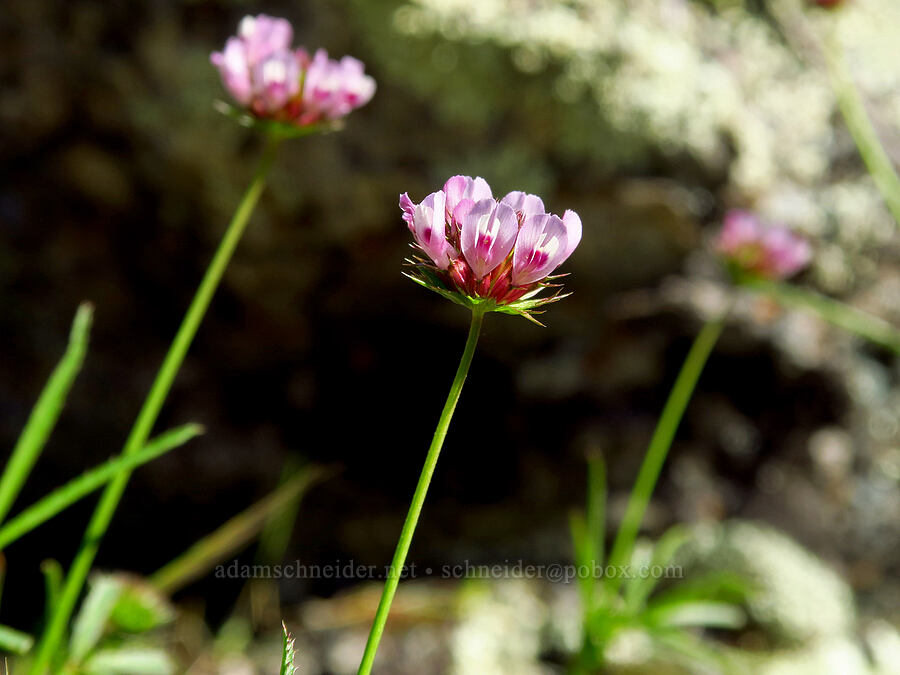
{"x": 331, "y": 89}
{"x": 759, "y": 249}
{"x": 272, "y": 80}
{"x": 479, "y": 248}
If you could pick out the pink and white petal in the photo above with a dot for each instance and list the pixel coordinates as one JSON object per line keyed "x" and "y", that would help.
{"x": 528, "y": 205}
{"x": 540, "y": 248}
{"x": 430, "y": 229}
{"x": 572, "y": 223}
{"x": 234, "y": 69}
{"x": 455, "y": 188}
{"x": 479, "y": 189}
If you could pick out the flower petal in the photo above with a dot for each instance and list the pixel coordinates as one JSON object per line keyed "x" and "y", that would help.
{"x": 465, "y": 187}
{"x": 430, "y": 229}
{"x": 235, "y": 70}
{"x": 488, "y": 235}
{"x": 409, "y": 210}
{"x": 526, "y": 204}
{"x": 276, "y": 80}
{"x": 540, "y": 248}
{"x": 572, "y": 222}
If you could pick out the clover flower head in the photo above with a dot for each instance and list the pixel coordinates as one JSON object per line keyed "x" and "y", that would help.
{"x": 482, "y": 252}
{"x": 754, "y": 248}
{"x": 273, "y": 82}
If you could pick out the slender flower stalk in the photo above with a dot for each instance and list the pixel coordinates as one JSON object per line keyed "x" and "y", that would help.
{"x": 857, "y": 119}
{"x": 140, "y": 432}
{"x": 660, "y": 442}
{"x": 490, "y": 256}
{"x": 840, "y": 314}
{"x": 415, "y": 508}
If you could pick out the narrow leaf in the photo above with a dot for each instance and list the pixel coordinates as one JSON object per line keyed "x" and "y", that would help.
{"x": 45, "y": 412}
{"x": 130, "y": 661}
{"x": 276, "y": 533}
{"x": 840, "y": 314}
{"x": 53, "y": 575}
{"x": 78, "y": 488}
{"x": 14, "y": 641}
{"x": 233, "y": 535}
{"x": 663, "y": 552}
{"x": 701, "y": 614}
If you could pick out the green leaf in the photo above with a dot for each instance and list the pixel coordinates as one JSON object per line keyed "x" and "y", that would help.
{"x": 287, "y": 653}
{"x": 14, "y": 641}
{"x": 276, "y": 533}
{"x": 53, "y": 575}
{"x": 140, "y": 607}
{"x": 702, "y": 614}
{"x": 92, "y": 618}
{"x": 129, "y": 661}
{"x": 45, "y": 412}
{"x": 840, "y": 314}
{"x": 717, "y": 586}
{"x": 78, "y": 488}
{"x": 639, "y": 589}
{"x": 693, "y": 650}
{"x": 233, "y": 535}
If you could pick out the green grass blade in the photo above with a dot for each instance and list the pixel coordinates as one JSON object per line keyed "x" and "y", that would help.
{"x": 53, "y": 574}
{"x": 45, "y": 412}
{"x": 15, "y": 641}
{"x": 659, "y": 446}
{"x": 579, "y": 532}
{"x": 276, "y": 532}
{"x": 840, "y": 314}
{"x": 233, "y": 535}
{"x": 78, "y": 488}
{"x": 663, "y": 552}
{"x": 596, "y": 509}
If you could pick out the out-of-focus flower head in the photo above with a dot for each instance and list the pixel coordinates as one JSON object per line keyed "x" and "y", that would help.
{"x": 757, "y": 249}
{"x": 272, "y": 81}
{"x": 497, "y": 255}
{"x": 827, "y": 4}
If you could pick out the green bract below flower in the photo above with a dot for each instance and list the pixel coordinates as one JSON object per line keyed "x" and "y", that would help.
{"x": 486, "y": 254}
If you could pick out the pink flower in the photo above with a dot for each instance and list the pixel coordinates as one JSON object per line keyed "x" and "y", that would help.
{"x": 483, "y": 250}
{"x": 263, "y": 73}
{"x": 762, "y": 250}
{"x": 331, "y": 89}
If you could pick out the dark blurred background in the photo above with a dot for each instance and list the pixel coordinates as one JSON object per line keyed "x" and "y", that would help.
{"x": 118, "y": 178}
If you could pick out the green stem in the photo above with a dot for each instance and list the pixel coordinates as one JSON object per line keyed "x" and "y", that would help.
{"x": 659, "y": 446}
{"x": 860, "y": 126}
{"x": 415, "y": 508}
{"x": 143, "y": 425}
{"x": 840, "y": 314}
